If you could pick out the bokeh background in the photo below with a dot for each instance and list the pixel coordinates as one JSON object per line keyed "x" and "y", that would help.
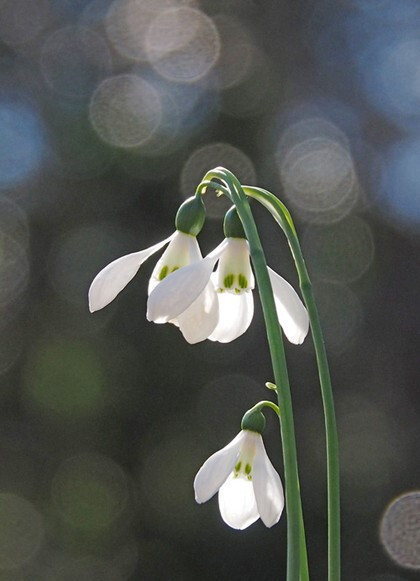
{"x": 110, "y": 114}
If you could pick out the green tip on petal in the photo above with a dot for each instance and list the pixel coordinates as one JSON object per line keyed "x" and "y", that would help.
{"x": 232, "y": 225}
{"x": 190, "y": 216}
{"x": 254, "y": 421}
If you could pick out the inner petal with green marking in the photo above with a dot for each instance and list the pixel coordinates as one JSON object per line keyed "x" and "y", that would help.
{"x": 234, "y": 272}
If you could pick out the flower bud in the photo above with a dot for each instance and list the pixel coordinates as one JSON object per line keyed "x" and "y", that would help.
{"x": 232, "y": 226}
{"x": 253, "y": 420}
{"x": 190, "y": 216}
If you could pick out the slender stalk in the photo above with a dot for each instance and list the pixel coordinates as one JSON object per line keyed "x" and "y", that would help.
{"x": 275, "y": 340}
{"x": 282, "y": 216}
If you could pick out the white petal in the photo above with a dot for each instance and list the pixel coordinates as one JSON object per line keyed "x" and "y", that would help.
{"x": 216, "y": 469}
{"x": 292, "y": 315}
{"x": 179, "y": 290}
{"x": 114, "y": 278}
{"x": 235, "y": 265}
{"x": 182, "y": 250}
{"x": 237, "y": 502}
{"x": 267, "y": 487}
{"x": 200, "y": 319}
{"x": 235, "y": 316}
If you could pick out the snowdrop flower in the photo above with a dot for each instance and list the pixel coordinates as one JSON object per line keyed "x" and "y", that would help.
{"x": 248, "y": 485}
{"x": 199, "y": 318}
{"x": 233, "y": 281}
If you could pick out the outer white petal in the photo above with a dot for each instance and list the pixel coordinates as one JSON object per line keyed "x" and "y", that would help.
{"x": 237, "y": 502}
{"x": 235, "y": 316}
{"x": 291, "y": 312}
{"x": 216, "y": 469}
{"x": 179, "y": 290}
{"x": 267, "y": 487}
{"x": 114, "y": 278}
{"x": 199, "y": 320}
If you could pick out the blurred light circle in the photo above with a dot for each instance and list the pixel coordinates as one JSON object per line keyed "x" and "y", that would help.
{"x": 389, "y": 67}
{"x": 22, "y": 21}
{"x": 22, "y": 142}
{"x": 317, "y": 174}
{"x": 400, "y": 197}
{"x": 341, "y": 314}
{"x": 74, "y": 60}
{"x": 400, "y": 530}
{"x": 128, "y": 21}
{"x": 331, "y": 215}
{"x": 65, "y": 380}
{"x": 208, "y": 157}
{"x": 306, "y": 129}
{"x": 182, "y": 44}
{"x": 125, "y": 110}
{"x": 14, "y": 269}
{"x": 21, "y": 531}
{"x": 339, "y": 252}
{"x": 90, "y": 491}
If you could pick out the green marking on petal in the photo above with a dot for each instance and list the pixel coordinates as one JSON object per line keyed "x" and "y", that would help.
{"x": 238, "y": 291}
{"x": 175, "y": 268}
{"x": 248, "y": 469}
{"x": 163, "y": 273}
{"x": 238, "y": 466}
{"x": 243, "y": 283}
{"x": 228, "y": 280}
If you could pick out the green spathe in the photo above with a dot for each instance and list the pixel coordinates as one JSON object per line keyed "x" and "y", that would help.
{"x": 190, "y": 216}
{"x": 232, "y": 225}
{"x": 254, "y": 421}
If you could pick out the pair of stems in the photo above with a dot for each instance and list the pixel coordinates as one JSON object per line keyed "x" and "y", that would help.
{"x": 297, "y": 563}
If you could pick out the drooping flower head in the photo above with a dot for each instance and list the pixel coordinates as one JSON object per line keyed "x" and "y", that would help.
{"x": 233, "y": 281}
{"x": 182, "y": 250}
{"x": 248, "y": 485}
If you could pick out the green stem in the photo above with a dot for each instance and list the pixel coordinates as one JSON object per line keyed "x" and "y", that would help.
{"x": 266, "y": 404}
{"x": 275, "y": 340}
{"x": 304, "y": 570}
{"x": 282, "y": 216}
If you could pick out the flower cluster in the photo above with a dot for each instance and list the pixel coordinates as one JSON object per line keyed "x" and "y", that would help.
{"x": 185, "y": 290}
{"x": 212, "y": 298}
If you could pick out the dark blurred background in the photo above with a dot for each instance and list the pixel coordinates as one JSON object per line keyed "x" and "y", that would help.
{"x": 111, "y": 112}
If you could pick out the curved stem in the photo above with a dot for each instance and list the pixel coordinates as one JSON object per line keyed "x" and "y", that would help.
{"x": 267, "y": 404}
{"x": 282, "y": 216}
{"x": 275, "y": 340}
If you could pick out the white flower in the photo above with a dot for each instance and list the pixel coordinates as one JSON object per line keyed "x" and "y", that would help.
{"x": 233, "y": 281}
{"x": 197, "y": 320}
{"x": 249, "y": 486}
